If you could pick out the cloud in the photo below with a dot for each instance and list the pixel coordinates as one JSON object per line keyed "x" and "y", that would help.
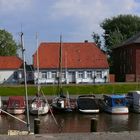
{"x": 13, "y": 5}
{"x": 89, "y": 14}
{"x": 75, "y": 19}
{"x": 82, "y": 8}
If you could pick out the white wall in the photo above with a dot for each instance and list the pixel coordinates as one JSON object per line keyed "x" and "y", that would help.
{"x": 85, "y": 79}
{"x": 6, "y": 76}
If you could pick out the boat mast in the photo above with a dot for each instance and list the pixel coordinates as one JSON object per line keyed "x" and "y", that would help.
{"x": 37, "y": 63}
{"x": 65, "y": 67}
{"x": 60, "y": 67}
{"x": 25, "y": 82}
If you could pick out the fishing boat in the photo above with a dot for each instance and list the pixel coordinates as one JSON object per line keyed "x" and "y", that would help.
{"x": 133, "y": 98}
{"x": 87, "y": 104}
{"x": 62, "y": 102}
{"x": 115, "y": 104}
{"x": 16, "y": 105}
{"x": 39, "y": 104}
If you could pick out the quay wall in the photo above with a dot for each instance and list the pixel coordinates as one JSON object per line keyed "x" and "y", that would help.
{"x": 127, "y": 135}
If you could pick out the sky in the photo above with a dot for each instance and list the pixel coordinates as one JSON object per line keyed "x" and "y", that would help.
{"x": 75, "y": 20}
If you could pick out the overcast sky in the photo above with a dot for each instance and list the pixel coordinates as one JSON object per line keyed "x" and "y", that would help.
{"x": 74, "y": 19}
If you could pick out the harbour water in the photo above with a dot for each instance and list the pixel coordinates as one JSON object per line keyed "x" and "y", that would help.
{"x": 74, "y": 122}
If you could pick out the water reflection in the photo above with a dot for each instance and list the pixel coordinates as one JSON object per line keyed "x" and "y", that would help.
{"x": 115, "y": 123}
{"x": 7, "y": 122}
{"x": 134, "y": 122}
{"x": 67, "y": 123}
{"x": 74, "y": 123}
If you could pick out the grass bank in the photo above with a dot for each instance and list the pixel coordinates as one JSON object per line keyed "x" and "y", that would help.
{"x": 7, "y": 90}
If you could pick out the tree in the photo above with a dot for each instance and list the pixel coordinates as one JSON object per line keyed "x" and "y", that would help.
{"x": 8, "y": 46}
{"x": 118, "y": 29}
{"x": 96, "y": 39}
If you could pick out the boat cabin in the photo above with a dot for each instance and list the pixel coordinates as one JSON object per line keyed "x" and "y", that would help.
{"x": 115, "y": 100}
{"x": 16, "y": 102}
{"x": 133, "y": 97}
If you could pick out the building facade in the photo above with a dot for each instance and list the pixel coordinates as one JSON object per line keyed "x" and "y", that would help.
{"x": 81, "y": 63}
{"x": 11, "y": 70}
{"x": 126, "y": 58}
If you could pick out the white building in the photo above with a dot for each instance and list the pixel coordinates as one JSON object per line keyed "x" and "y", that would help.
{"x": 11, "y": 70}
{"x": 81, "y": 63}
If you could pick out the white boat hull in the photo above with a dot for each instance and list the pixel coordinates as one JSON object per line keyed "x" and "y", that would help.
{"x": 42, "y": 111}
{"x": 34, "y": 110}
{"x": 89, "y": 111}
{"x": 116, "y": 110}
{"x": 16, "y": 111}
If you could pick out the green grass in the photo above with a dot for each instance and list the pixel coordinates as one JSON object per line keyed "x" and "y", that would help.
{"x": 72, "y": 89}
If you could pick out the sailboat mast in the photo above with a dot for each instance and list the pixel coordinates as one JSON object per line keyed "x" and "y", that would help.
{"x": 25, "y": 82}
{"x": 60, "y": 65}
{"x": 38, "y": 87}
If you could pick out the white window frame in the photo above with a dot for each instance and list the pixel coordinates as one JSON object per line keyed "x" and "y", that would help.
{"x": 99, "y": 74}
{"x": 53, "y": 74}
{"x": 44, "y": 74}
{"x": 80, "y": 74}
{"x": 63, "y": 75}
{"x": 89, "y": 74}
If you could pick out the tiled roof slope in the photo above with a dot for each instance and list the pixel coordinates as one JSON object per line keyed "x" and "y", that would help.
{"x": 10, "y": 62}
{"x": 74, "y": 55}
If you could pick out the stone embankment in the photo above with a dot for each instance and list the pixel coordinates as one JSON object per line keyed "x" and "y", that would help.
{"x": 133, "y": 135}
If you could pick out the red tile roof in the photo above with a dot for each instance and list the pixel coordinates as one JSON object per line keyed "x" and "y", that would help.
{"x": 74, "y": 55}
{"x": 10, "y": 62}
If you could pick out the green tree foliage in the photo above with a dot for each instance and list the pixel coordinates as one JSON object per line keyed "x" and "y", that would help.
{"x": 96, "y": 39}
{"x": 118, "y": 29}
{"x": 8, "y": 46}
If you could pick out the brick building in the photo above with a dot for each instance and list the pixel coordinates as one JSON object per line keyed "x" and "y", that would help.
{"x": 126, "y": 58}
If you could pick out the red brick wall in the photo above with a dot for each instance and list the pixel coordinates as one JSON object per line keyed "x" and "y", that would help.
{"x": 130, "y": 78}
{"x": 112, "y": 78}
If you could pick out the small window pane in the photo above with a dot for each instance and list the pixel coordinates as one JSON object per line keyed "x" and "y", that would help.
{"x": 89, "y": 74}
{"x": 54, "y": 75}
{"x": 44, "y": 75}
{"x": 80, "y": 74}
{"x": 98, "y": 74}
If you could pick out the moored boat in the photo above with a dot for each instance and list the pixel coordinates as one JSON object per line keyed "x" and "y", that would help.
{"x": 87, "y": 104}
{"x": 133, "y": 98}
{"x": 39, "y": 105}
{"x": 16, "y": 105}
{"x": 115, "y": 104}
{"x": 62, "y": 103}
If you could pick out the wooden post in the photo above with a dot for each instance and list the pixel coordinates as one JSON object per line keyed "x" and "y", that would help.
{"x": 36, "y": 125}
{"x": 93, "y": 127}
